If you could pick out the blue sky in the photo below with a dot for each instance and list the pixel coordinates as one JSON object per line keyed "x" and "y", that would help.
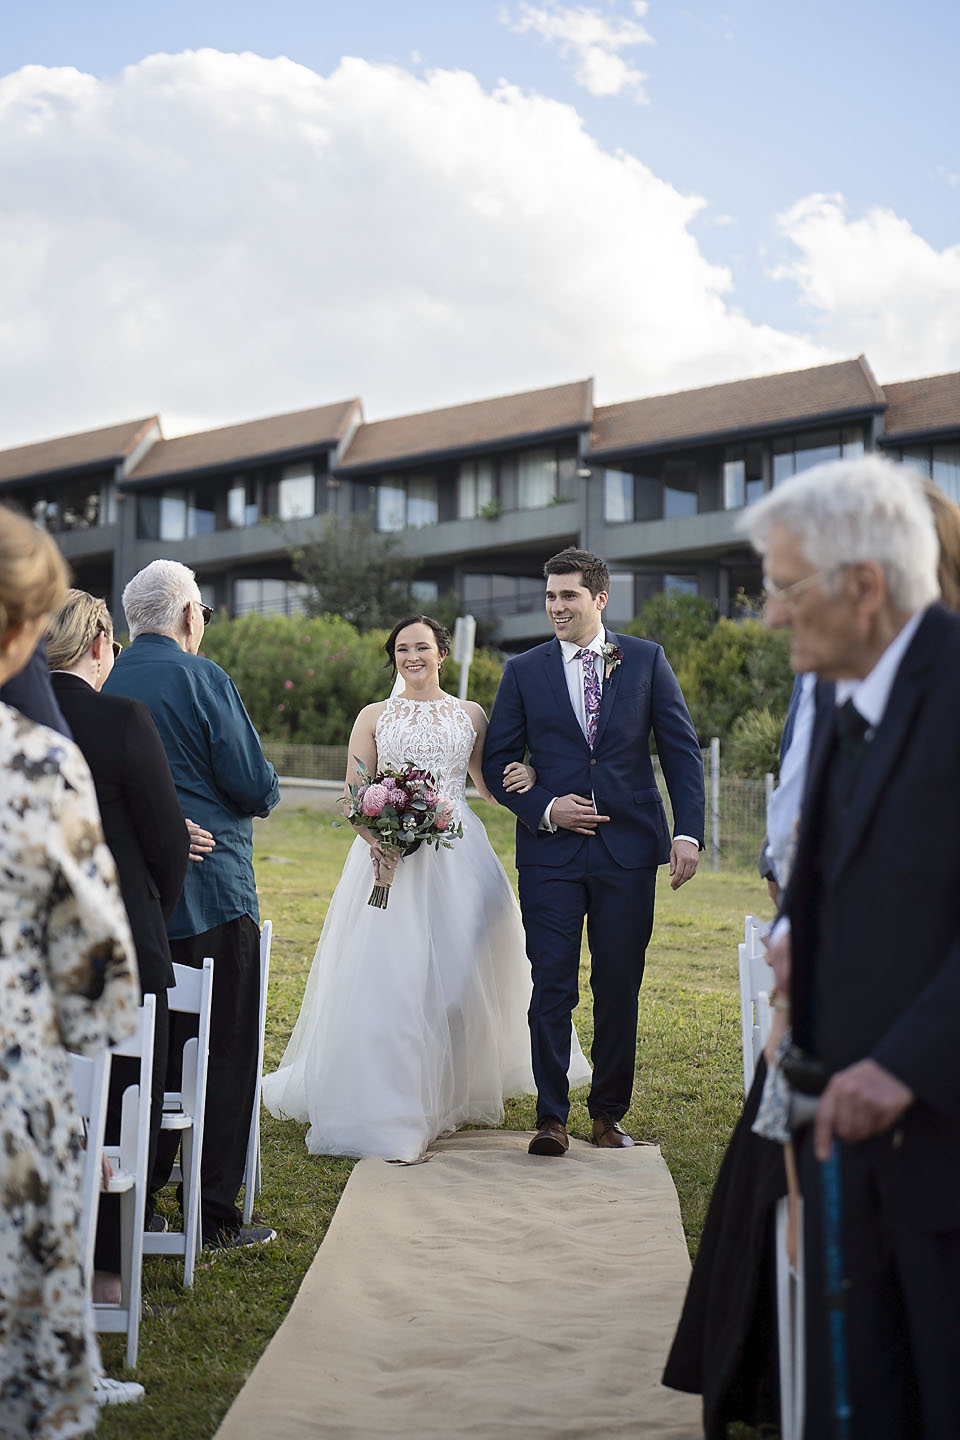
{"x": 753, "y": 109}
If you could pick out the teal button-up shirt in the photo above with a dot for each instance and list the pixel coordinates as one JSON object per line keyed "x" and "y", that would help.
{"x": 219, "y": 769}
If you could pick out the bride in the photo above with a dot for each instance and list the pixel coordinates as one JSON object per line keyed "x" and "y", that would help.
{"x": 414, "y": 1017}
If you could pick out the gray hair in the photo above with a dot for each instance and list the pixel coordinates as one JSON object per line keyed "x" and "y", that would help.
{"x": 848, "y": 511}
{"x": 154, "y": 600}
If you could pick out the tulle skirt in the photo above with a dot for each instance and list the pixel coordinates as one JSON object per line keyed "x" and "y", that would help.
{"x": 414, "y": 1019}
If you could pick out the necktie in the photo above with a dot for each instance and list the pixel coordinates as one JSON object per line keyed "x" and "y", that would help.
{"x": 851, "y": 729}
{"x": 591, "y": 693}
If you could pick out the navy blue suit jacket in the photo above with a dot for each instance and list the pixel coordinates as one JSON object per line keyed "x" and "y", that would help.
{"x": 532, "y": 712}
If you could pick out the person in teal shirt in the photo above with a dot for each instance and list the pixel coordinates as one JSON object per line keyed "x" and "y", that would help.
{"x": 223, "y": 781}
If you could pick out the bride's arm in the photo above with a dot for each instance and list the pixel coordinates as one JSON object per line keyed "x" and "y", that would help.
{"x": 363, "y": 748}
{"x": 479, "y": 722}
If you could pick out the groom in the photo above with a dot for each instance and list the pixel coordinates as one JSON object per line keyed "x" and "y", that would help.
{"x": 592, "y": 830}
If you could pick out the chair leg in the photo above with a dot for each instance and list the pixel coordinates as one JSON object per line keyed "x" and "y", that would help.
{"x": 191, "y": 1208}
{"x": 131, "y": 1219}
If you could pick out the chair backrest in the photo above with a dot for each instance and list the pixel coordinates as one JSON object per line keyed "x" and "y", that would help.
{"x": 756, "y": 982}
{"x": 194, "y": 993}
{"x": 135, "y": 1111}
{"x": 91, "y": 1082}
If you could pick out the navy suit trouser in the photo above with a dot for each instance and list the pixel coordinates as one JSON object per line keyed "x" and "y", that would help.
{"x": 618, "y": 907}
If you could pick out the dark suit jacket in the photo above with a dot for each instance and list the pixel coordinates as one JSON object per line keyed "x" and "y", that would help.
{"x": 875, "y": 917}
{"x": 30, "y": 692}
{"x": 533, "y": 711}
{"x": 142, "y": 820}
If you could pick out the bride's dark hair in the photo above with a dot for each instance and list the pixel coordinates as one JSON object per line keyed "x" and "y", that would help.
{"x": 440, "y": 633}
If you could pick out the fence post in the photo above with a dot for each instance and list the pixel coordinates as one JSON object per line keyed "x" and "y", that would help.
{"x": 715, "y": 803}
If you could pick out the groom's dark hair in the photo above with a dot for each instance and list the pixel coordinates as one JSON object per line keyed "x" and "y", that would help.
{"x": 571, "y": 561}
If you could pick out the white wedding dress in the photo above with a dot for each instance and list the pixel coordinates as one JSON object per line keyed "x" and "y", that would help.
{"x": 414, "y": 1019}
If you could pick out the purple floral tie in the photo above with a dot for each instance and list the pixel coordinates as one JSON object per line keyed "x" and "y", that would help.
{"x": 591, "y": 693}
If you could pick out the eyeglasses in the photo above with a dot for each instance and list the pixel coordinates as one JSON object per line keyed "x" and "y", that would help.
{"x": 205, "y": 611}
{"x": 117, "y": 647}
{"x": 786, "y": 595}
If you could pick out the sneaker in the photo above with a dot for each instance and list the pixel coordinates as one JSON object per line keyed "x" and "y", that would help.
{"x": 116, "y": 1392}
{"x": 156, "y": 1225}
{"x": 241, "y": 1239}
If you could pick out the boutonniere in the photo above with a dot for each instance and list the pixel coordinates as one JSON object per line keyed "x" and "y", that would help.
{"x": 612, "y": 655}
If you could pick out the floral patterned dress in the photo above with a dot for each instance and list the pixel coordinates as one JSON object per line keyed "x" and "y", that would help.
{"x": 67, "y": 970}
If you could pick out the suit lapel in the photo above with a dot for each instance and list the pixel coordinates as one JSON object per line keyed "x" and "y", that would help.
{"x": 884, "y": 751}
{"x": 608, "y": 694}
{"x": 555, "y": 667}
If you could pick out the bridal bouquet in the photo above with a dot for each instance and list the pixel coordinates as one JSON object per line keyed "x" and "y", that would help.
{"x": 404, "y": 808}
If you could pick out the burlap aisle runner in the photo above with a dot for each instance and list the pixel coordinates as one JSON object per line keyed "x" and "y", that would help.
{"x": 485, "y": 1293}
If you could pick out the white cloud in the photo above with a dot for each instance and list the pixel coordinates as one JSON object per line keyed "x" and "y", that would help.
{"x": 222, "y": 236}
{"x": 593, "y": 40}
{"x": 875, "y": 285}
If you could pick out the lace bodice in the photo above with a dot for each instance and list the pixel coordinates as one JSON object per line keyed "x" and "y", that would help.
{"x": 435, "y": 735}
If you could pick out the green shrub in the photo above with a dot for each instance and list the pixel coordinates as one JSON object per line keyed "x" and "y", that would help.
{"x": 752, "y": 749}
{"x": 304, "y": 680}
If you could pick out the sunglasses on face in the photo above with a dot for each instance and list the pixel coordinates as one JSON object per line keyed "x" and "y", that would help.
{"x": 117, "y": 647}
{"x": 205, "y": 611}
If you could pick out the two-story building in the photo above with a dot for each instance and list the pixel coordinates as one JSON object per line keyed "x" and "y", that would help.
{"x": 481, "y": 493}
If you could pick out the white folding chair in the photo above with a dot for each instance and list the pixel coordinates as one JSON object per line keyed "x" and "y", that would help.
{"x": 129, "y": 1161}
{"x": 251, "y": 1174}
{"x": 756, "y": 982}
{"x": 91, "y": 1082}
{"x": 183, "y": 1111}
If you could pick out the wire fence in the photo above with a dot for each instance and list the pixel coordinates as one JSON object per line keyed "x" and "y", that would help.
{"x": 736, "y": 808}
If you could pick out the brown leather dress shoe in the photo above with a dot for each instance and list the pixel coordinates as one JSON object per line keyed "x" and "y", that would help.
{"x": 550, "y": 1139}
{"x": 609, "y": 1135}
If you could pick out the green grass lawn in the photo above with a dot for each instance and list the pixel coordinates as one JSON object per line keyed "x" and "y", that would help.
{"x": 196, "y": 1348}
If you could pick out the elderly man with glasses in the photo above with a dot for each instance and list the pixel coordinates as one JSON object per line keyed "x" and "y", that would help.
{"x": 223, "y": 780}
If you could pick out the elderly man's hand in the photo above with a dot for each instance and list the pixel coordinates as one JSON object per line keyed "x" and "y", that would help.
{"x": 201, "y": 841}
{"x": 861, "y": 1101}
{"x": 684, "y": 859}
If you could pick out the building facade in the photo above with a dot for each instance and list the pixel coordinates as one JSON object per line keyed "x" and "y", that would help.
{"x": 481, "y": 493}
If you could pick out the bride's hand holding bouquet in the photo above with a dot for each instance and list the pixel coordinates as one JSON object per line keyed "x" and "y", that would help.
{"x": 401, "y": 809}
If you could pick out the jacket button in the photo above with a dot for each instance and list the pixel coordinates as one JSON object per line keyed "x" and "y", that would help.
{"x": 593, "y": 762}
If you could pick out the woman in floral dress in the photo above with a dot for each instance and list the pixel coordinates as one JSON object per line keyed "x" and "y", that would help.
{"x": 66, "y": 980}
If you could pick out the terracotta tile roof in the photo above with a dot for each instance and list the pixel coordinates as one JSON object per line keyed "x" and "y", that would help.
{"x": 277, "y": 434}
{"x": 108, "y": 446}
{"x": 738, "y": 405}
{"x": 918, "y": 405}
{"x": 466, "y": 427}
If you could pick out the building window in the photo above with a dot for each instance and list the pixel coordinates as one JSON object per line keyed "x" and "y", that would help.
{"x": 793, "y": 454}
{"x": 734, "y": 484}
{"x": 680, "y": 584}
{"x": 946, "y": 469}
{"x": 617, "y": 496}
{"x": 242, "y": 508}
{"x": 475, "y": 488}
{"x": 424, "y": 592}
{"x": 297, "y": 491}
{"x": 202, "y": 516}
{"x": 501, "y": 594}
{"x": 269, "y": 597}
{"x": 621, "y": 604}
{"x": 406, "y": 502}
{"x": 680, "y": 498}
{"x": 536, "y": 478}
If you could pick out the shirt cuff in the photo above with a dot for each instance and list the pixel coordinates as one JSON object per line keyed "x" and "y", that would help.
{"x": 545, "y": 822}
{"x": 781, "y": 928}
{"x": 692, "y": 838}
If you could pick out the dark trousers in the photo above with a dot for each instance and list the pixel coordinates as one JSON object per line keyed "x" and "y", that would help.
{"x": 124, "y": 1071}
{"x": 618, "y": 907}
{"x": 231, "y": 1071}
{"x": 901, "y": 1311}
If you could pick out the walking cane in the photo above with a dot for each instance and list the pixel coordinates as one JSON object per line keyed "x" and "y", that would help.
{"x": 832, "y": 1199}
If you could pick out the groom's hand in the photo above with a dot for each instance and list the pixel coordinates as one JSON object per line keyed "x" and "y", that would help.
{"x": 576, "y": 813}
{"x": 684, "y": 858}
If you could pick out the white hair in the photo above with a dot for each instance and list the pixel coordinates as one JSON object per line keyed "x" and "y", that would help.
{"x": 154, "y": 600}
{"x": 848, "y": 511}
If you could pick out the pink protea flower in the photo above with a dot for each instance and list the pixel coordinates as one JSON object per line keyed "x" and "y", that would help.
{"x": 430, "y": 798}
{"x": 444, "y": 816}
{"x": 374, "y": 798}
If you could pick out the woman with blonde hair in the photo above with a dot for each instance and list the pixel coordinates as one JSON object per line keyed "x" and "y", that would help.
{"x": 67, "y": 978}
{"x": 144, "y": 828}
